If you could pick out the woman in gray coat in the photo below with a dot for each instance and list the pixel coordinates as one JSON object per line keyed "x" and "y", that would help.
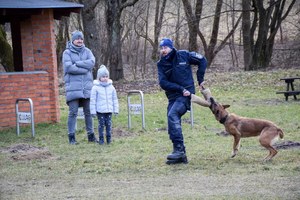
{"x": 78, "y": 63}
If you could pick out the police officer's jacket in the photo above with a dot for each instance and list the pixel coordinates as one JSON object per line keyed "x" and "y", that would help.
{"x": 175, "y": 72}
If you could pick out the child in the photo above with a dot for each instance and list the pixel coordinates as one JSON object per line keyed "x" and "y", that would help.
{"x": 103, "y": 103}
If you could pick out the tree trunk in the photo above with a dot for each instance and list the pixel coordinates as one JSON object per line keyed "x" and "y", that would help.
{"x": 211, "y": 49}
{"x": 270, "y": 19}
{"x": 91, "y": 30}
{"x": 61, "y": 39}
{"x": 246, "y": 24}
{"x": 114, "y": 55}
{"x": 177, "y": 33}
{"x": 144, "y": 65}
{"x": 214, "y": 35}
{"x": 159, "y": 15}
{"x": 113, "y": 59}
{"x": 158, "y": 20}
{"x": 235, "y": 61}
{"x": 193, "y": 22}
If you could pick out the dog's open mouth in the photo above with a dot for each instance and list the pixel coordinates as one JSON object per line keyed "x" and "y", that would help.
{"x": 213, "y": 106}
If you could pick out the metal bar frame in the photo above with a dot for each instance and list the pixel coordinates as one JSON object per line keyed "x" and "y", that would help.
{"x": 31, "y": 112}
{"x": 132, "y": 92}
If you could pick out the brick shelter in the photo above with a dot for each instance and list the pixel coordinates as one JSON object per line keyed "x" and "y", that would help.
{"x": 35, "y": 62}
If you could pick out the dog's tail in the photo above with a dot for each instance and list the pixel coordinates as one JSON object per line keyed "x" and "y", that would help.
{"x": 280, "y": 132}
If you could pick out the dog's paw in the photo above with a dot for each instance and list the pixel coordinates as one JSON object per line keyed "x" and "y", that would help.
{"x": 233, "y": 154}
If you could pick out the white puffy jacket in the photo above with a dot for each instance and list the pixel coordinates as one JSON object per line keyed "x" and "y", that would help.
{"x": 104, "y": 98}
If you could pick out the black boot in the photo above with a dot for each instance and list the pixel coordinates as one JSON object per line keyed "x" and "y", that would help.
{"x": 178, "y": 155}
{"x": 72, "y": 139}
{"x": 91, "y": 137}
{"x": 101, "y": 140}
{"x": 108, "y": 139}
{"x": 181, "y": 160}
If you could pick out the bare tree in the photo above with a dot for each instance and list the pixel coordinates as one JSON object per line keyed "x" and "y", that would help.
{"x": 210, "y": 51}
{"x": 91, "y": 30}
{"x": 259, "y": 43}
{"x": 193, "y": 20}
{"x": 113, "y": 58}
{"x": 212, "y": 48}
{"x": 61, "y": 39}
{"x": 231, "y": 15}
{"x": 178, "y": 25}
{"x": 144, "y": 68}
{"x": 132, "y": 43}
{"x": 158, "y": 21}
{"x": 247, "y": 40}
{"x": 159, "y": 15}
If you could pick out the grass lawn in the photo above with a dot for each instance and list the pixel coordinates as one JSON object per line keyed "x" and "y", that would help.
{"x": 133, "y": 166}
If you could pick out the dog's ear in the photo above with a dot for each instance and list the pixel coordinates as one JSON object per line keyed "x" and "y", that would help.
{"x": 226, "y": 106}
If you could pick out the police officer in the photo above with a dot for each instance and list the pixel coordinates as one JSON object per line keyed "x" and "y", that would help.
{"x": 176, "y": 78}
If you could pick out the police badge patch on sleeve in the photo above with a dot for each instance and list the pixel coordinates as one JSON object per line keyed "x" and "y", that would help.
{"x": 197, "y": 55}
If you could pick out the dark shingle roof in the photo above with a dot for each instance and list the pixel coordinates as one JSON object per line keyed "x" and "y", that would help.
{"x": 31, "y": 4}
{"x": 22, "y": 9}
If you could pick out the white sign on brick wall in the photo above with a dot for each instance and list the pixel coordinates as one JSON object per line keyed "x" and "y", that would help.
{"x": 24, "y": 117}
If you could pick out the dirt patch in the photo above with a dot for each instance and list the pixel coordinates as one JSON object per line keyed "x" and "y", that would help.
{"x": 117, "y": 132}
{"x": 23, "y": 152}
{"x": 287, "y": 145}
{"x": 223, "y": 133}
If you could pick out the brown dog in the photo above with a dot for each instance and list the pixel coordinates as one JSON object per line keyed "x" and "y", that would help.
{"x": 240, "y": 127}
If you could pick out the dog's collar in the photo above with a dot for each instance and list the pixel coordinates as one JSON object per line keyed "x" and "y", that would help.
{"x": 223, "y": 120}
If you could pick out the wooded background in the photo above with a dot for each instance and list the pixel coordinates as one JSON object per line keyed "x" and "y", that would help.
{"x": 232, "y": 34}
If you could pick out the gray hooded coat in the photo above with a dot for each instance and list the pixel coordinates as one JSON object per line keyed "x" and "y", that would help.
{"x": 78, "y": 63}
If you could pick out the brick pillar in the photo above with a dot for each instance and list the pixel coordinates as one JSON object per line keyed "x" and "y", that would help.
{"x": 39, "y": 54}
{"x": 27, "y": 45}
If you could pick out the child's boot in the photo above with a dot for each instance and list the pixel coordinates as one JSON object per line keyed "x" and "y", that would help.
{"x": 108, "y": 139}
{"x": 101, "y": 140}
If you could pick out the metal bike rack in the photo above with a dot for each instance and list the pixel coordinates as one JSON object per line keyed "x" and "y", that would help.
{"x": 136, "y": 108}
{"x": 25, "y": 117}
{"x": 80, "y": 115}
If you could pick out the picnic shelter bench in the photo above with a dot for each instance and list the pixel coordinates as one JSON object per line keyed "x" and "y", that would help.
{"x": 290, "y": 89}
